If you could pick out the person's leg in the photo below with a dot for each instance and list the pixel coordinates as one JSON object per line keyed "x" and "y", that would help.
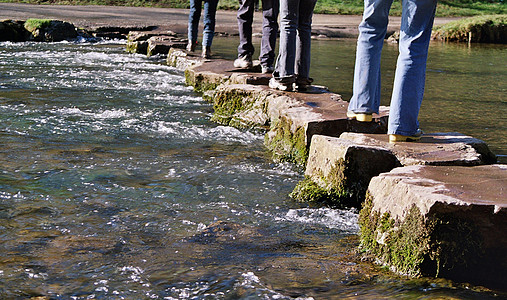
{"x": 289, "y": 15}
{"x": 372, "y": 31}
{"x": 408, "y": 90}
{"x": 270, "y": 10}
{"x": 210, "y": 9}
{"x": 193, "y": 23}
{"x": 245, "y": 20}
{"x": 304, "y": 37}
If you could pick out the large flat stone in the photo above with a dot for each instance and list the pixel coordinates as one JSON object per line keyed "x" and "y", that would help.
{"x": 439, "y": 220}
{"x": 449, "y": 148}
{"x": 162, "y": 44}
{"x": 338, "y": 171}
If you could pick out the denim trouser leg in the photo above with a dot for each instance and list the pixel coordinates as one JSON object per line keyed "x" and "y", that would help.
{"x": 210, "y": 10}
{"x": 289, "y": 10}
{"x": 245, "y": 20}
{"x": 193, "y": 19}
{"x": 270, "y": 10}
{"x": 372, "y": 30}
{"x": 416, "y": 23}
{"x": 304, "y": 38}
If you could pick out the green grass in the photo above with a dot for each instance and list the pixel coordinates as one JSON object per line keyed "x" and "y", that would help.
{"x": 32, "y": 24}
{"x": 346, "y": 7}
{"x": 487, "y": 28}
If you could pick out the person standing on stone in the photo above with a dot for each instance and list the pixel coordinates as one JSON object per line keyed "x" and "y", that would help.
{"x": 416, "y": 24}
{"x": 245, "y": 15}
{"x": 293, "y": 61}
{"x": 210, "y": 9}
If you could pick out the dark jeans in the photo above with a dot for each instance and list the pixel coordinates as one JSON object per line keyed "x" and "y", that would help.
{"x": 295, "y": 38}
{"x": 270, "y": 10}
{"x": 210, "y": 9}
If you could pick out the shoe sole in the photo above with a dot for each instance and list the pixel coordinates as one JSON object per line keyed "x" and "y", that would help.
{"x": 396, "y": 138}
{"x": 360, "y": 117}
{"x": 279, "y": 86}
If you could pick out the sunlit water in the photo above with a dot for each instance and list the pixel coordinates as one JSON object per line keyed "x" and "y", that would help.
{"x": 111, "y": 173}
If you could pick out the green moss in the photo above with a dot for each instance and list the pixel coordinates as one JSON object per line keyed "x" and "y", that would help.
{"x": 226, "y": 105}
{"x": 337, "y": 189}
{"x": 34, "y": 24}
{"x": 309, "y": 191}
{"x": 198, "y": 82}
{"x": 488, "y": 29}
{"x": 442, "y": 244}
{"x": 285, "y": 144}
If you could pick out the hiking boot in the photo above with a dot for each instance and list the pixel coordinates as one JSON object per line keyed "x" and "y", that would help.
{"x": 191, "y": 46}
{"x": 282, "y": 85}
{"x": 394, "y": 138}
{"x": 267, "y": 70}
{"x": 303, "y": 83}
{"x": 206, "y": 52}
{"x": 361, "y": 117}
{"x": 243, "y": 62}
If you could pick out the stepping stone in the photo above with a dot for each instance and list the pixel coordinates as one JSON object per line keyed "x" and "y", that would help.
{"x": 449, "y": 148}
{"x": 447, "y": 221}
{"x": 356, "y": 157}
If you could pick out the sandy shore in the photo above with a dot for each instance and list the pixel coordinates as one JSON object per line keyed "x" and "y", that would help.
{"x": 174, "y": 19}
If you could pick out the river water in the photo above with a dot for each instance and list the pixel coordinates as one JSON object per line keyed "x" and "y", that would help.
{"x": 114, "y": 184}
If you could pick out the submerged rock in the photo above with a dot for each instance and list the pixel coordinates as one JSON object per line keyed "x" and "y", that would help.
{"x": 447, "y": 221}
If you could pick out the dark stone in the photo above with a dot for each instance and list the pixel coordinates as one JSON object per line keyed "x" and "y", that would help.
{"x": 13, "y": 31}
{"x": 56, "y": 31}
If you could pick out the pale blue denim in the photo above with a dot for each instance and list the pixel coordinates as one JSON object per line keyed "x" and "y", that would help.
{"x": 210, "y": 9}
{"x": 416, "y": 23}
{"x": 295, "y": 39}
{"x": 269, "y": 29}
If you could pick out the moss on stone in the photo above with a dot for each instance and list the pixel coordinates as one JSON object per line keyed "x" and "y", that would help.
{"x": 199, "y": 82}
{"x": 229, "y": 104}
{"x": 337, "y": 189}
{"x": 226, "y": 105}
{"x": 285, "y": 144}
{"x": 34, "y": 24}
{"x": 431, "y": 246}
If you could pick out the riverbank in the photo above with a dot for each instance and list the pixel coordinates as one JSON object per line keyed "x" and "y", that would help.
{"x": 92, "y": 17}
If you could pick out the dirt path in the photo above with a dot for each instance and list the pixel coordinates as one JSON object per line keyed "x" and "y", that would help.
{"x": 175, "y": 19}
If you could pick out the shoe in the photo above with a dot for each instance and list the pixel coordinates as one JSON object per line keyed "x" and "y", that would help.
{"x": 206, "y": 52}
{"x": 267, "y": 70}
{"x": 303, "y": 83}
{"x": 361, "y": 117}
{"x": 280, "y": 85}
{"x": 394, "y": 138}
{"x": 243, "y": 62}
{"x": 191, "y": 46}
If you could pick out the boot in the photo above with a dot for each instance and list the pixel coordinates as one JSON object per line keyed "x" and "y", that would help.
{"x": 206, "y": 52}
{"x": 191, "y": 46}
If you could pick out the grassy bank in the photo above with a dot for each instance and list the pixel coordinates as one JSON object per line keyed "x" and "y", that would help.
{"x": 350, "y": 7}
{"x": 485, "y": 29}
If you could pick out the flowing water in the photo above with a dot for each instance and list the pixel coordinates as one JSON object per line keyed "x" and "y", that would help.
{"x": 114, "y": 184}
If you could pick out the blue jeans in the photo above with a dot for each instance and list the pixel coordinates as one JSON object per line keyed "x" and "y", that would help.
{"x": 295, "y": 39}
{"x": 416, "y": 23}
{"x": 210, "y": 9}
{"x": 269, "y": 29}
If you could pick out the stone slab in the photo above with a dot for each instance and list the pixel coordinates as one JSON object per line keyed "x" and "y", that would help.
{"x": 343, "y": 170}
{"x": 439, "y": 220}
{"x": 162, "y": 44}
{"x": 449, "y": 148}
